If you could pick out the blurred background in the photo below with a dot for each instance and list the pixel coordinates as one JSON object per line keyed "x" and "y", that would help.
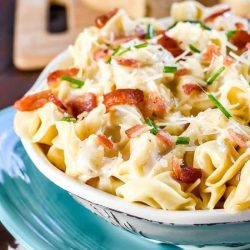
{"x": 32, "y": 32}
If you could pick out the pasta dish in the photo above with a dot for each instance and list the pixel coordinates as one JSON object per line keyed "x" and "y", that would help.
{"x": 154, "y": 111}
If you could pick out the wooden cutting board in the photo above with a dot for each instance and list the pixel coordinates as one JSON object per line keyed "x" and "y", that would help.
{"x": 34, "y": 46}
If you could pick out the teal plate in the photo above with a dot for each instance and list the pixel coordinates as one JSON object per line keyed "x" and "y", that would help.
{"x": 41, "y": 215}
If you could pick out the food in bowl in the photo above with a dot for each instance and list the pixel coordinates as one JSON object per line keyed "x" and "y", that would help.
{"x": 154, "y": 112}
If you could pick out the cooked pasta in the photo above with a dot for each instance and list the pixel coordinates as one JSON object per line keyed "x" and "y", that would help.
{"x": 154, "y": 112}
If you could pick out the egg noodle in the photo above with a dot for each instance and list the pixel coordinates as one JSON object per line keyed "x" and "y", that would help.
{"x": 155, "y": 112}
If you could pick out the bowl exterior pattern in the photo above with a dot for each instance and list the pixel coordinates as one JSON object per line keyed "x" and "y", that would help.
{"x": 228, "y": 235}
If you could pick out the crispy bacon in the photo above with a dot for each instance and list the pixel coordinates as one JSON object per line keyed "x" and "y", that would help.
{"x": 189, "y": 88}
{"x": 211, "y": 51}
{"x": 182, "y": 72}
{"x": 137, "y": 130}
{"x": 153, "y": 105}
{"x": 101, "y": 54}
{"x": 239, "y": 26}
{"x": 239, "y": 139}
{"x": 169, "y": 44}
{"x": 100, "y": 21}
{"x": 108, "y": 144}
{"x": 165, "y": 138}
{"x": 123, "y": 96}
{"x": 228, "y": 61}
{"x": 185, "y": 174}
{"x": 240, "y": 39}
{"x": 81, "y": 103}
{"x": 55, "y": 76}
{"x": 37, "y": 100}
{"x": 213, "y": 16}
{"x": 129, "y": 62}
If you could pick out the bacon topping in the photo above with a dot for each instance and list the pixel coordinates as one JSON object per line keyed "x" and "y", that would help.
{"x": 240, "y": 39}
{"x": 182, "y": 72}
{"x": 129, "y": 62}
{"x": 154, "y": 105}
{"x": 165, "y": 138}
{"x": 101, "y": 54}
{"x": 81, "y": 103}
{"x": 123, "y": 96}
{"x": 169, "y": 44}
{"x": 105, "y": 142}
{"x": 189, "y": 88}
{"x": 213, "y": 16}
{"x": 185, "y": 174}
{"x": 55, "y": 76}
{"x": 37, "y": 100}
{"x": 137, "y": 130}
{"x": 211, "y": 51}
{"x": 239, "y": 139}
{"x": 100, "y": 21}
{"x": 239, "y": 26}
{"x": 228, "y": 61}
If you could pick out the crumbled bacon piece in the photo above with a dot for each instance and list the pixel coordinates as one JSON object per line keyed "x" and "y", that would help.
{"x": 213, "y": 16}
{"x": 239, "y": 26}
{"x": 211, "y": 51}
{"x": 169, "y": 44}
{"x": 55, "y": 76}
{"x": 105, "y": 142}
{"x": 123, "y": 96}
{"x": 228, "y": 61}
{"x": 37, "y": 100}
{"x": 154, "y": 105}
{"x": 101, "y": 54}
{"x": 81, "y": 103}
{"x": 100, "y": 21}
{"x": 137, "y": 130}
{"x": 185, "y": 174}
{"x": 239, "y": 139}
{"x": 129, "y": 62}
{"x": 189, "y": 88}
{"x": 165, "y": 138}
{"x": 182, "y": 72}
{"x": 240, "y": 39}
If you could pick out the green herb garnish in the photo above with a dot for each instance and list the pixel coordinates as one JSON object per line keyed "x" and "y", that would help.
{"x": 69, "y": 119}
{"x": 230, "y": 34}
{"x": 142, "y": 45}
{"x": 203, "y": 25}
{"x": 169, "y": 69}
{"x": 75, "y": 83}
{"x": 150, "y": 31}
{"x": 116, "y": 50}
{"x": 182, "y": 140}
{"x": 193, "y": 48}
{"x": 154, "y": 130}
{"x": 219, "y": 105}
{"x": 138, "y": 46}
{"x": 215, "y": 75}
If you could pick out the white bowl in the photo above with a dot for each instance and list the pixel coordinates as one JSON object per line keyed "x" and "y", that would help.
{"x": 216, "y": 227}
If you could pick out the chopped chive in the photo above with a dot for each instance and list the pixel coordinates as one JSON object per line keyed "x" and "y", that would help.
{"x": 230, "y": 34}
{"x": 215, "y": 75}
{"x": 169, "y": 69}
{"x": 193, "y": 48}
{"x": 219, "y": 105}
{"x": 172, "y": 26}
{"x": 142, "y": 45}
{"x": 203, "y": 25}
{"x": 150, "y": 31}
{"x": 182, "y": 140}
{"x": 154, "y": 130}
{"x": 75, "y": 83}
{"x": 69, "y": 119}
{"x": 116, "y": 50}
{"x": 124, "y": 51}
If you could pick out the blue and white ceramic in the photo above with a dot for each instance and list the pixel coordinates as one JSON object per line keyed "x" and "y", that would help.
{"x": 197, "y": 228}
